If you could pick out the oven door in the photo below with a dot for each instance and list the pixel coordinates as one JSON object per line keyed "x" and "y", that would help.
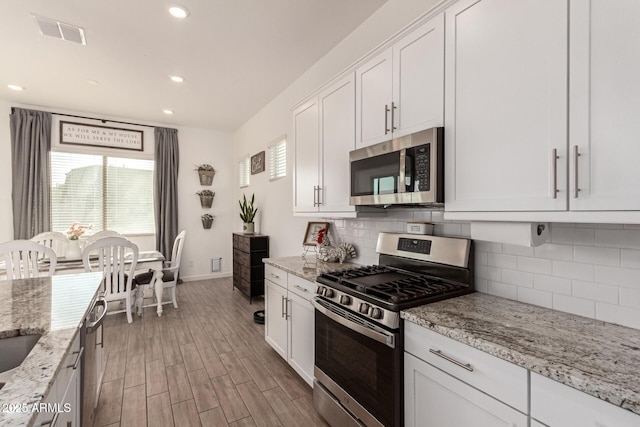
{"x": 359, "y": 363}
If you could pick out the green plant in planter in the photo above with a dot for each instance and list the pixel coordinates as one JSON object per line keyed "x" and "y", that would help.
{"x": 247, "y": 211}
{"x": 205, "y": 167}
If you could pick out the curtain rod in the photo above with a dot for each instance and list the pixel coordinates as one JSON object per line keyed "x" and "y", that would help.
{"x": 93, "y": 118}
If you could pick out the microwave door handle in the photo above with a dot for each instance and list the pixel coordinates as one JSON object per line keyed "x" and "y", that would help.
{"x": 402, "y": 187}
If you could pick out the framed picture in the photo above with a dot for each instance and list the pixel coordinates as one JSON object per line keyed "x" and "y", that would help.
{"x": 101, "y": 136}
{"x": 257, "y": 163}
{"x": 311, "y": 235}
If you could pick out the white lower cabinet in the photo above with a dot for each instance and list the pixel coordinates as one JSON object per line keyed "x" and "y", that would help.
{"x": 557, "y": 405}
{"x": 289, "y": 319}
{"x": 61, "y": 406}
{"x": 435, "y": 398}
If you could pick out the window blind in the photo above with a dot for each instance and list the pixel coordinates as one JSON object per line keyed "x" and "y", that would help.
{"x": 109, "y": 192}
{"x": 244, "y": 172}
{"x": 278, "y": 160}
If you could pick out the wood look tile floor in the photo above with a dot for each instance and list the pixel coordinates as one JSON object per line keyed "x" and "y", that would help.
{"x": 205, "y": 363}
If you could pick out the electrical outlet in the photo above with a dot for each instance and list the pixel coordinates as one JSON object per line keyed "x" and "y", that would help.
{"x": 216, "y": 264}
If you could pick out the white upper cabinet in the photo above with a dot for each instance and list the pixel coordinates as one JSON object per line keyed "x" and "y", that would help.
{"x": 506, "y": 105}
{"x": 324, "y": 128}
{"x": 605, "y": 105}
{"x": 400, "y": 91}
{"x": 306, "y": 162}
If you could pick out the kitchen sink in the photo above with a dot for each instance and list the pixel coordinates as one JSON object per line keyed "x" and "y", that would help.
{"x": 15, "y": 349}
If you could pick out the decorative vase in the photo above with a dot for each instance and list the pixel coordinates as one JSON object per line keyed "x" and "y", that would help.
{"x": 248, "y": 227}
{"x": 73, "y": 250}
{"x": 206, "y": 177}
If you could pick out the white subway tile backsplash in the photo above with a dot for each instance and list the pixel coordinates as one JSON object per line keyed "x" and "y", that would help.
{"x": 517, "y": 250}
{"x": 518, "y": 278}
{"x": 556, "y": 285}
{"x": 465, "y": 231}
{"x": 579, "y": 306}
{"x": 595, "y": 292}
{"x": 536, "y": 297}
{"x": 437, "y": 216}
{"x": 422, "y": 216}
{"x": 554, "y": 251}
{"x": 481, "y": 258}
{"x": 625, "y": 277}
{"x": 596, "y": 255}
{"x": 451, "y": 230}
{"x": 573, "y": 236}
{"x": 627, "y": 239}
{"x": 482, "y": 285}
{"x": 484, "y": 246}
{"x": 502, "y": 290}
{"x": 489, "y": 273}
{"x": 630, "y": 258}
{"x": 630, "y": 298}
{"x": 501, "y": 260}
{"x": 624, "y": 316}
{"x": 573, "y": 270}
{"x": 534, "y": 265}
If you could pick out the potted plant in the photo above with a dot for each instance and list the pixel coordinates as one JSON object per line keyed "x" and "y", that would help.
{"x": 207, "y": 221}
{"x": 206, "y": 198}
{"x": 206, "y": 173}
{"x": 247, "y": 213}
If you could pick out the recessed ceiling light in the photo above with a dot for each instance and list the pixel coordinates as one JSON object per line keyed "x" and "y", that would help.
{"x": 177, "y": 79}
{"x": 15, "y": 87}
{"x": 178, "y": 12}
{"x": 166, "y": 111}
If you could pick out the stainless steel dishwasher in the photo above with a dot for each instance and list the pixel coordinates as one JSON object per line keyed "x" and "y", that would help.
{"x": 92, "y": 339}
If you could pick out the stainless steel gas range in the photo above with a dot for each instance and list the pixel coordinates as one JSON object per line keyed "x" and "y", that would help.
{"x": 358, "y": 331}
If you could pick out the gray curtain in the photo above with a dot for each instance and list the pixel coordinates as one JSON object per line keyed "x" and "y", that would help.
{"x": 166, "y": 188}
{"x": 31, "y": 189}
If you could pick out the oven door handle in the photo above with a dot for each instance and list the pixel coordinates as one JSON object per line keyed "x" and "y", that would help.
{"x": 387, "y": 339}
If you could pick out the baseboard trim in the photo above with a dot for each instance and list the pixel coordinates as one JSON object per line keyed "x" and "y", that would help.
{"x": 206, "y": 276}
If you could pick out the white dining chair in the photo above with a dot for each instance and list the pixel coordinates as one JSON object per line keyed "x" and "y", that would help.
{"x": 169, "y": 276}
{"x": 101, "y": 235}
{"x": 117, "y": 258}
{"x": 54, "y": 240}
{"x": 24, "y": 259}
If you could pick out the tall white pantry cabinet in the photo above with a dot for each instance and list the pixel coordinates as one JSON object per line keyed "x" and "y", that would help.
{"x": 541, "y": 107}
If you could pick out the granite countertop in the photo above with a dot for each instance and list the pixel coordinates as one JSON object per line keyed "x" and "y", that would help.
{"x": 309, "y": 269}
{"x": 598, "y": 358}
{"x": 54, "y": 307}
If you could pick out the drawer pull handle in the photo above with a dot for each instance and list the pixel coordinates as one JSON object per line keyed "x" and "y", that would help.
{"x": 78, "y": 358}
{"x": 301, "y": 288}
{"x": 455, "y": 362}
{"x": 274, "y": 275}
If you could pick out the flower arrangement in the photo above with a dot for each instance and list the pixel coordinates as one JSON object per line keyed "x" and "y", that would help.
{"x": 76, "y": 230}
{"x": 205, "y": 167}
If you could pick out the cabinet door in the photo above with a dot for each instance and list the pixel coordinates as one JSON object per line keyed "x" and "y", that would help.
{"x": 337, "y": 133}
{"x": 275, "y": 330}
{"x": 418, "y": 79}
{"x": 558, "y": 405}
{"x": 373, "y": 100}
{"x": 434, "y": 398}
{"x": 301, "y": 321}
{"x": 306, "y": 161}
{"x": 506, "y": 105}
{"x": 605, "y": 105}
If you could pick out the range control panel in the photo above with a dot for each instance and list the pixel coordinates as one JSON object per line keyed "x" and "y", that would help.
{"x": 418, "y": 246}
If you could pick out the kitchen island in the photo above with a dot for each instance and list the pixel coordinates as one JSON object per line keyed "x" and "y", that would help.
{"x": 592, "y": 356}
{"x": 55, "y": 308}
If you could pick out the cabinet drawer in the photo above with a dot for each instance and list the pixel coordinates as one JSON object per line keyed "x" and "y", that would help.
{"x": 66, "y": 368}
{"x": 250, "y": 243}
{"x": 498, "y": 378}
{"x": 275, "y": 275}
{"x": 241, "y": 284}
{"x": 301, "y": 287}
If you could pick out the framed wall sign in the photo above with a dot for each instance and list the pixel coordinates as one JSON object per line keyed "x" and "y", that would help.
{"x": 101, "y": 136}
{"x": 311, "y": 235}
{"x": 257, "y": 163}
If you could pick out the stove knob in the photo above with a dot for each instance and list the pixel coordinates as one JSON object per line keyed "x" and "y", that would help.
{"x": 345, "y": 299}
{"x": 364, "y": 308}
{"x": 376, "y": 313}
{"x": 328, "y": 293}
{"x": 319, "y": 290}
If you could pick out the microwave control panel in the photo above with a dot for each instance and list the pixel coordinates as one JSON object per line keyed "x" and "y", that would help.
{"x": 422, "y": 158}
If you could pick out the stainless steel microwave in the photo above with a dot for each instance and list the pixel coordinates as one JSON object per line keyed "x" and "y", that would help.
{"x": 405, "y": 170}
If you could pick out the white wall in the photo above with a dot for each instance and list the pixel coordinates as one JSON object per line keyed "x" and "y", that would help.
{"x": 274, "y": 198}
{"x": 197, "y": 146}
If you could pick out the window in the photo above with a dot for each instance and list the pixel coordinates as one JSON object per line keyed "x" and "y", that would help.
{"x": 109, "y": 192}
{"x": 278, "y": 159}
{"x": 244, "y": 172}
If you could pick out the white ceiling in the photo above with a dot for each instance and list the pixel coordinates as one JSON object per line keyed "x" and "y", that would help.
{"x": 236, "y": 55}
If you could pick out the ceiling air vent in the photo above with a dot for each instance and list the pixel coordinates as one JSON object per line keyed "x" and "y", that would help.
{"x": 60, "y": 30}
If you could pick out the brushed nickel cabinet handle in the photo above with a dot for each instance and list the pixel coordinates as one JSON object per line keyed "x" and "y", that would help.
{"x": 282, "y": 306}
{"x": 274, "y": 275}
{"x": 386, "y": 119}
{"x": 319, "y": 196}
{"x": 393, "y": 122}
{"x": 301, "y": 288}
{"x": 77, "y": 362}
{"x": 576, "y": 188}
{"x": 554, "y": 173}
{"x": 439, "y": 353}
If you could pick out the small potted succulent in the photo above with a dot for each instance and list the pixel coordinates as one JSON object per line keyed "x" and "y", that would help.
{"x": 207, "y": 221}
{"x": 247, "y": 214}
{"x": 206, "y": 198}
{"x": 206, "y": 173}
